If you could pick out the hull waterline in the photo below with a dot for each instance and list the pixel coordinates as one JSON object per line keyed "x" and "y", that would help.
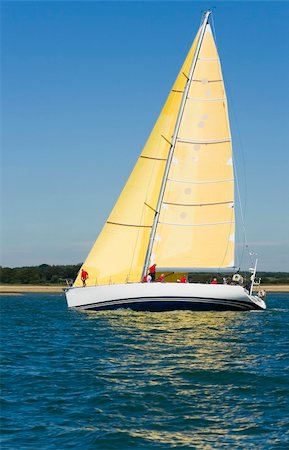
{"x": 163, "y": 297}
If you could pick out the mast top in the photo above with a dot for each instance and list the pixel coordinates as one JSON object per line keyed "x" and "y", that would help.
{"x": 206, "y": 16}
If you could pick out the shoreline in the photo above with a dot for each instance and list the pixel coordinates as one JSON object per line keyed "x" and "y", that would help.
{"x": 15, "y": 289}
{"x": 26, "y": 289}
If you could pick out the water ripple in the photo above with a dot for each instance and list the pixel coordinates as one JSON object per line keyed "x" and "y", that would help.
{"x": 127, "y": 380}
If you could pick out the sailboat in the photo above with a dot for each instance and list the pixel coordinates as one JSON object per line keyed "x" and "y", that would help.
{"x": 177, "y": 207}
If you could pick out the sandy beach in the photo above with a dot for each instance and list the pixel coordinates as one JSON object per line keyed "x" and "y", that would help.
{"x": 24, "y": 289}
{"x": 275, "y": 287}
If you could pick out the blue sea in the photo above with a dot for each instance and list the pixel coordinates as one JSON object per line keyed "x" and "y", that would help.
{"x": 130, "y": 380}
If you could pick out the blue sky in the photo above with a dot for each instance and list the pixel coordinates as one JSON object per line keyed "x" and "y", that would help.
{"x": 82, "y": 85}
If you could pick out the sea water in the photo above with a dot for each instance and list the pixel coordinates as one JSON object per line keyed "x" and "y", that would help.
{"x": 128, "y": 380}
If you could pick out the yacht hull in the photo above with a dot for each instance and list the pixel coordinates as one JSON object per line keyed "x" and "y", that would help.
{"x": 163, "y": 297}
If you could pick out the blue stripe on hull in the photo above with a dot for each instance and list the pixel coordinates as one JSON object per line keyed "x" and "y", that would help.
{"x": 173, "y": 305}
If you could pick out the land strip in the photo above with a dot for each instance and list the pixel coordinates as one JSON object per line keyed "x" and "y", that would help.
{"x": 25, "y": 288}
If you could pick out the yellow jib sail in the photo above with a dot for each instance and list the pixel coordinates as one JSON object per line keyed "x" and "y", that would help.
{"x": 195, "y": 226}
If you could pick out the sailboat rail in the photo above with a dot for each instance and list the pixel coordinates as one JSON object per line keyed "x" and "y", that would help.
{"x": 210, "y": 270}
{"x": 228, "y": 269}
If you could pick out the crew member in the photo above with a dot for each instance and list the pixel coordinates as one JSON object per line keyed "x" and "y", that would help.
{"x": 84, "y": 277}
{"x": 152, "y": 272}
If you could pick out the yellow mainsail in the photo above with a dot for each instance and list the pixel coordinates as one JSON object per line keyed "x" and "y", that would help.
{"x": 195, "y": 225}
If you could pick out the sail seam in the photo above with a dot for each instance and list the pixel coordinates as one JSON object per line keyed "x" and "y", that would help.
{"x": 153, "y": 157}
{"x": 200, "y": 182}
{"x": 208, "y": 59}
{"x": 205, "y": 81}
{"x": 195, "y": 224}
{"x": 198, "y": 204}
{"x": 198, "y": 99}
{"x": 195, "y": 141}
{"x": 128, "y": 225}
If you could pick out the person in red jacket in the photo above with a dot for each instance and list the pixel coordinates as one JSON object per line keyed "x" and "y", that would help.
{"x": 152, "y": 271}
{"x": 214, "y": 281}
{"x": 183, "y": 279}
{"x": 84, "y": 277}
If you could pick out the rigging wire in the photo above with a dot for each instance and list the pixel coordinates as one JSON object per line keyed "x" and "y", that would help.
{"x": 242, "y": 204}
{"x": 213, "y": 28}
{"x": 241, "y": 207}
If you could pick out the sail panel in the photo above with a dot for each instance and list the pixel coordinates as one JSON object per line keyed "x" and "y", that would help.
{"x": 208, "y": 49}
{"x": 185, "y": 196}
{"x": 197, "y": 162}
{"x": 191, "y": 215}
{"x": 201, "y": 194}
{"x": 139, "y": 186}
{"x": 119, "y": 251}
{"x": 205, "y": 89}
{"x": 208, "y": 71}
{"x": 118, "y": 254}
{"x": 196, "y": 245}
{"x": 116, "y": 242}
{"x": 203, "y": 120}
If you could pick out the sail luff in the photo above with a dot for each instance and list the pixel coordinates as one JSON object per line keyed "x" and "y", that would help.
{"x": 173, "y": 143}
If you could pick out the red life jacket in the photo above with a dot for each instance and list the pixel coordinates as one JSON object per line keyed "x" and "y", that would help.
{"x": 84, "y": 275}
{"x": 152, "y": 269}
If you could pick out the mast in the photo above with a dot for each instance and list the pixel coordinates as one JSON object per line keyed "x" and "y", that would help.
{"x": 173, "y": 143}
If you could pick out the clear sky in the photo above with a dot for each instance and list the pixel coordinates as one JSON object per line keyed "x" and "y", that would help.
{"x": 82, "y": 85}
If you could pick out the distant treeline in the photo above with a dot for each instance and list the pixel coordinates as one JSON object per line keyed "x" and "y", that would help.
{"x": 46, "y": 274}
{"x": 266, "y": 277}
{"x": 43, "y": 274}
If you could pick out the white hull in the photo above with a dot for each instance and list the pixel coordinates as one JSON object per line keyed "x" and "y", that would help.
{"x": 163, "y": 297}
